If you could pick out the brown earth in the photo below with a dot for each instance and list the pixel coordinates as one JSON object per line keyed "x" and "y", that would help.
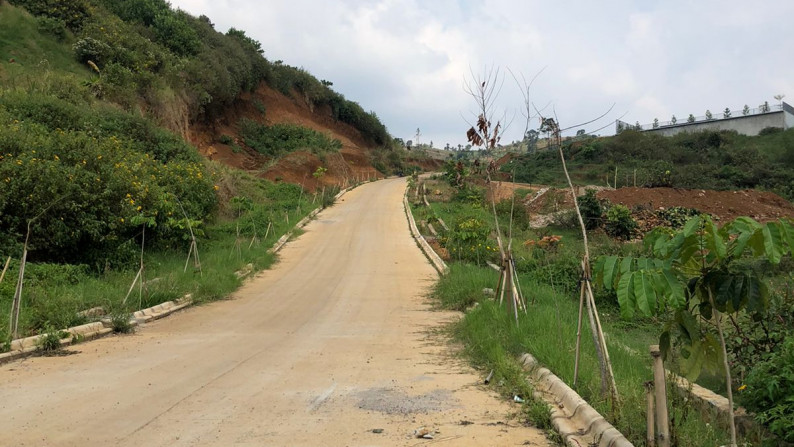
{"x": 352, "y": 163}
{"x": 762, "y": 206}
{"x": 335, "y": 346}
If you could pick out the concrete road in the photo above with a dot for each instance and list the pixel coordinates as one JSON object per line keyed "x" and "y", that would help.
{"x": 336, "y": 345}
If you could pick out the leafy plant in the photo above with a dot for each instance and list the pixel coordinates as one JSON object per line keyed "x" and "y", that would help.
{"x": 591, "y": 210}
{"x": 619, "y": 223}
{"x": 697, "y": 273}
{"x": 50, "y": 340}
{"x": 769, "y": 391}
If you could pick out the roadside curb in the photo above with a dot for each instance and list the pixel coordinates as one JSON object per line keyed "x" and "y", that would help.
{"x": 28, "y": 346}
{"x": 573, "y": 418}
{"x": 435, "y": 260}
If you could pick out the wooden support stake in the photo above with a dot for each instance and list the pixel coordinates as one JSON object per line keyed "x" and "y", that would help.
{"x": 5, "y": 269}
{"x": 650, "y": 440}
{"x": 602, "y": 340}
{"x": 662, "y": 421}
{"x": 578, "y": 334}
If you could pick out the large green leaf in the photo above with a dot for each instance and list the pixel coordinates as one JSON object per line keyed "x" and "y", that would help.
{"x": 773, "y": 242}
{"x": 674, "y": 289}
{"x": 692, "y": 226}
{"x": 714, "y": 242}
{"x": 608, "y": 271}
{"x": 625, "y": 292}
{"x": 692, "y": 363}
{"x": 788, "y": 229}
{"x": 644, "y": 292}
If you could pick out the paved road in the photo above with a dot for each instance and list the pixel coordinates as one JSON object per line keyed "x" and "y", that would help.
{"x": 335, "y": 341}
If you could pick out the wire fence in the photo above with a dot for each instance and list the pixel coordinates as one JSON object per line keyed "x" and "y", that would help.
{"x": 726, "y": 114}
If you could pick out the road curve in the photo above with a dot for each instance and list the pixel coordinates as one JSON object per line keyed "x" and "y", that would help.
{"x": 333, "y": 346}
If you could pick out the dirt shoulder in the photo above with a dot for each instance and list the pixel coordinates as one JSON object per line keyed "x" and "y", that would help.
{"x": 336, "y": 345}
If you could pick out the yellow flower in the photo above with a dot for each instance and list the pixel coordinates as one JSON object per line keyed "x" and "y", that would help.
{"x": 216, "y": 187}
{"x": 742, "y": 388}
{"x": 122, "y": 220}
{"x": 57, "y": 158}
{"x": 139, "y": 208}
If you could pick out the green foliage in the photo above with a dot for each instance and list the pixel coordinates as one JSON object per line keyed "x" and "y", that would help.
{"x": 677, "y": 216}
{"x": 88, "y": 178}
{"x": 50, "y": 340}
{"x": 280, "y": 139}
{"x": 225, "y": 139}
{"x": 769, "y": 391}
{"x": 329, "y": 194}
{"x": 468, "y": 241}
{"x": 175, "y": 33}
{"x": 90, "y": 49}
{"x": 73, "y": 13}
{"x": 590, "y": 208}
{"x": 689, "y": 268}
{"x": 54, "y": 27}
{"x": 509, "y": 210}
{"x": 619, "y": 223}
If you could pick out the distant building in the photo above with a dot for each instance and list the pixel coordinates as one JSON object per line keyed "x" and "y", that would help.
{"x": 745, "y": 122}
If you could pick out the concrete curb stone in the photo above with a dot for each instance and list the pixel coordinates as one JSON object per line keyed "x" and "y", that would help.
{"x": 574, "y": 419}
{"x": 435, "y": 260}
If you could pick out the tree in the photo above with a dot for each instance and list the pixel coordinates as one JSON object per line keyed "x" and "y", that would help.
{"x": 531, "y": 138}
{"x": 726, "y": 113}
{"x": 695, "y": 276}
{"x": 418, "y": 134}
{"x": 746, "y": 110}
{"x": 655, "y": 123}
{"x": 637, "y": 126}
{"x": 673, "y": 120}
{"x": 580, "y": 133}
{"x": 691, "y": 118}
{"x": 764, "y": 107}
{"x": 708, "y": 114}
{"x": 779, "y": 97}
{"x": 484, "y": 88}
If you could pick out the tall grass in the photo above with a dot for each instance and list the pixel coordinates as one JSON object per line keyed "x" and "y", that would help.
{"x": 548, "y": 331}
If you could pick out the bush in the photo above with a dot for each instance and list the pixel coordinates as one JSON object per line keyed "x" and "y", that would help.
{"x": 619, "y": 223}
{"x": 90, "y": 49}
{"x": 226, "y": 139}
{"x": 590, "y": 208}
{"x": 54, "y": 27}
{"x": 280, "y": 139}
{"x": 73, "y": 13}
{"x": 468, "y": 241}
{"x": 520, "y": 218}
{"x": 770, "y": 391}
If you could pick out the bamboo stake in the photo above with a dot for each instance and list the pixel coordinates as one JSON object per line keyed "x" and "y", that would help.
{"x": 5, "y": 269}
{"x": 602, "y": 339}
{"x": 650, "y": 439}
{"x": 662, "y": 421}
{"x": 578, "y": 334}
{"x": 616, "y": 177}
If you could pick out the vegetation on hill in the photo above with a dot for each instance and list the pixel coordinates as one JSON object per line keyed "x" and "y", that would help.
{"x": 702, "y": 160}
{"x": 96, "y": 97}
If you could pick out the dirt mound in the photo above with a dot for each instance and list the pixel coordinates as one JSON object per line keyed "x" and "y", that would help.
{"x": 269, "y": 106}
{"x": 762, "y": 206}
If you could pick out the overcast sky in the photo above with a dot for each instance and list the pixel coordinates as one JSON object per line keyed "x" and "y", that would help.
{"x": 407, "y": 60}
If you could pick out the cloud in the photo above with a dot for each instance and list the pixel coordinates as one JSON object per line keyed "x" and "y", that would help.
{"x": 407, "y": 59}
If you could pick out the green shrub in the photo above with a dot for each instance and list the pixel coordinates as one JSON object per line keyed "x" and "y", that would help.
{"x": 619, "y": 223}
{"x": 770, "y": 391}
{"x": 520, "y": 217}
{"x": 54, "y": 27}
{"x": 280, "y": 139}
{"x": 90, "y": 49}
{"x": 590, "y": 208}
{"x": 468, "y": 241}
{"x": 50, "y": 340}
{"x": 73, "y": 13}
{"x": 225, "y": 139}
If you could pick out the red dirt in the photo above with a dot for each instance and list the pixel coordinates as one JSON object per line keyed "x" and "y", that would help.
{"x": 350, "y": 164}
{"x": 762, "y": 206}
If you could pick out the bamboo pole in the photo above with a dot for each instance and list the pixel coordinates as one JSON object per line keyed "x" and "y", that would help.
{"x": 578, "y": 334}
{"x": 650, "y": 439}
{"x": 602, "y": 339}
{"x": 662, "y": 421}
{"x": 5, "y": 269}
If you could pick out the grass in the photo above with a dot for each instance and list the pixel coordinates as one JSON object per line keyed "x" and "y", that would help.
{"x": 549, "y": 279}
{"x": 54, "y": 294}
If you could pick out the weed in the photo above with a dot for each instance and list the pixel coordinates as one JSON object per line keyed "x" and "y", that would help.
{"x": 50, "y": 340}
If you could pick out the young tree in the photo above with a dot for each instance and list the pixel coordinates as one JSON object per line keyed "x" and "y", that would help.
{"x": 691, "y": 118}
{"x": 694, "y": 276}
{"x": 726, "y": 113}
{"x": 655, "y": 123}
{"x": 746, "y": 110}
{"x": 673, "y": 119}
{"x": 484, "y": 88}
{"x": 708, "y": 114}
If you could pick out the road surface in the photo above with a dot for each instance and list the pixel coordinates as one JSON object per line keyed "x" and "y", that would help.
{"x": 336, "y": 345}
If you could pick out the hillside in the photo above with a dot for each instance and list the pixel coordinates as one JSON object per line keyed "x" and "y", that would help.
{"x": 112, "y": 106}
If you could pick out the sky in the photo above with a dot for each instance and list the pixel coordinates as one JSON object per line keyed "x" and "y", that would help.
{"x": 410, "y": 60}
